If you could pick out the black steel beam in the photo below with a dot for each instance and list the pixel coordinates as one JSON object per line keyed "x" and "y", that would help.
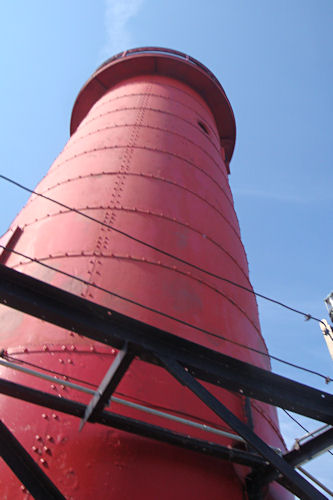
{"x": 74, "y": 313}
{"x": 130, "y": 425}
{"x": 248, "y": 412}
{"x": 109, "y": 384}
{"x": 25, "y": 468}
{"x": 310, "y": 448}
{"x": 295, "y": 457}
{"x": 293, "y": 481}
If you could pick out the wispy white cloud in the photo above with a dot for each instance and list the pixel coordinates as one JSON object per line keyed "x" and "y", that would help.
{"x": 117, "y": 15}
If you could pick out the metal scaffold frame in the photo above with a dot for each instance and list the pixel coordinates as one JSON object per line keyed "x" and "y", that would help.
{"x": 186, "y": 361}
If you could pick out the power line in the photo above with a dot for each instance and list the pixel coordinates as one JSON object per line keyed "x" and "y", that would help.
{"x": 301, "y": 426}
{"x": 307, "y": 316}
{"x": 161, "y": 313}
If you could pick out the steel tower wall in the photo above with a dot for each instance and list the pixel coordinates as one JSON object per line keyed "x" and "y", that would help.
{"x": 152, "y": 135}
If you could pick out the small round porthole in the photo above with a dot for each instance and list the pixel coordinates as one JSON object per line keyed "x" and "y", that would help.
{"x": 203, "y": 127}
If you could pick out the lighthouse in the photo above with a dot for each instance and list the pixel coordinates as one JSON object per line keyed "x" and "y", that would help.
{"x": 137, "y": 215}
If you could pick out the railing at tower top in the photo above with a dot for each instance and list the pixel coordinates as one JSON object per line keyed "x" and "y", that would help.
{"x": 163, "y": 51}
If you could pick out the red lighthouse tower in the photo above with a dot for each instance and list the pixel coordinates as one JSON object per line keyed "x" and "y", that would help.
{"x": 147, "y": 164}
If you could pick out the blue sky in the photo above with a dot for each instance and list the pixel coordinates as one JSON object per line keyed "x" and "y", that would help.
{"x": 274, "y": 60}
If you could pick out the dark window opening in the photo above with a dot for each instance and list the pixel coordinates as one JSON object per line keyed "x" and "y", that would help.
{"x": 203, "y": 127}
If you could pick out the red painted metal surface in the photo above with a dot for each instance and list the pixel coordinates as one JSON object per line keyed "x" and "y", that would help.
{"x": 152, "y": 137}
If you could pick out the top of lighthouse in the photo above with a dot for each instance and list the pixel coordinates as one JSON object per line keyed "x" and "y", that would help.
{"x": 166, "y": 62}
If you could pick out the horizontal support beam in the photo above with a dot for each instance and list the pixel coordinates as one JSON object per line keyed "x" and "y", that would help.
{"x": 130, "y": 425}
{"x": 25, "y": 468}
{"x": 98, "y": 323}
{"x": 292, "y": 479}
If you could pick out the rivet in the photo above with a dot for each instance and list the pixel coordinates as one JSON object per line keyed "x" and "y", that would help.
{"x": 46, "y": 449}
{"x": 53, "y": 386}
{"x": 55, "y": 416}
{"x": 63, "y": 387}
{"x": 43, "y": 461}
{"x": 63, "y": 348}
{"x": 38, "y": 438}
{"x": 45, "y": 348}
{"x": 23, "y": 488}
{"x": 44, "y": 415}
{"x": 92, "y": 348}
{"x": 60, "y": 360}
{"x": 69, "y": 361}
{"x": 49, "y": 437}
{"x": 34, "y": 448}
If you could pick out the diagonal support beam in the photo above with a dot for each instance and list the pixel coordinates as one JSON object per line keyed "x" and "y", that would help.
{"x": 295, "y": 458}
{"x": 109, "y": 384}
{"x": 295, "y": 482}
{"x": 25, "y": 468}
{"x": 66, "y": 310}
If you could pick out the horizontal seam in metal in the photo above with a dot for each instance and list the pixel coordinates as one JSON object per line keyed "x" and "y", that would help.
{"x": 124, "y": 125}
{"x": 188, "y": 274}
{"x": 182, "y": 91}
{"x": 100, "y": 104}
{"x": 55, "y": 168}
{"x": 144, "y": 148}
{"x": 150, "y": 177}
{"x": 155, "y": 110}
{"x": 55, "y": 348}
{"x": 168, "y": 85}
{"x": 31, "y": 200}
{"x": 268, "y": 420}
{"x": 144, "y": 212}
{"x": 143, "y": 260}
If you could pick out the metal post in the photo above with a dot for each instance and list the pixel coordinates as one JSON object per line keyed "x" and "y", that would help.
{"x": 109, "y": 384}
